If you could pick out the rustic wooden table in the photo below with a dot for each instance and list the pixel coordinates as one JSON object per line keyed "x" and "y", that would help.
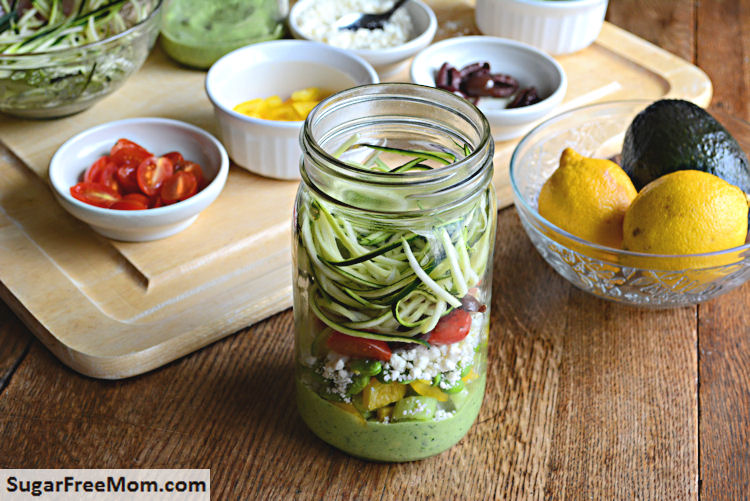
{"x": 585, "y": 399}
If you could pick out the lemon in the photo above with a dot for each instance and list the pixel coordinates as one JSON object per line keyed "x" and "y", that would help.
{"x": 587, "y": 197}
{"x": 686, "y": 212}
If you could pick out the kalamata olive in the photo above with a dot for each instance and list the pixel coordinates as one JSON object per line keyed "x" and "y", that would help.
{"x": 526, "y": 97}
{"x": 478, "y": 84}
{"x": 470, "y": 303}
{"x": 441, "y": 79}
{"x": 475, "y": 80}
{"x": 455, "y": 79}
{"x": 474, "y": 67}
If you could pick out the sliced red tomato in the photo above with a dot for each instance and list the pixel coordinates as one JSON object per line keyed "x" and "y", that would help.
{"x": 176, "y": 158}
{"x": 155, "y": 202}
{"x": 125, "y": 204}
{"x": 358, "y": 347}
{"x": 108, "y": 177}
{"x": 194, "y": 169}
{"x": 127, "y": 152}
{"x": 94, "y": 172}
{"x": 94, "y": 194}
{"x": 452, "y": 328}
{"x": 177, "y": 187}
{"x": 126, "y": 177}
{"x": 138, "y": 198}
{"x": 152, "y": 172}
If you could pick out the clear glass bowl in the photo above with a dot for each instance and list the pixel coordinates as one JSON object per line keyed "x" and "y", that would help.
{"x": 648, "y": 280}
{"x": 58, "y": 83}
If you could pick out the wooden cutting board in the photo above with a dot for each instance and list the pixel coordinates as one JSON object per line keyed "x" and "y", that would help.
{"x": 111, "y": 309}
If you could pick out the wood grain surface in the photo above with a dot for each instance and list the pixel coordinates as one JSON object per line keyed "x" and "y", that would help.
{"x": 585, "y": 399}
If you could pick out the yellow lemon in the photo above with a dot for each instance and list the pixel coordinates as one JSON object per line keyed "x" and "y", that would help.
{"x": 686, "y": 212}
{"x": 587, "y": 197}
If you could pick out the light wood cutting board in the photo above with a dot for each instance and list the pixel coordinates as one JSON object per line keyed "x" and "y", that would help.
{"x": 112, "y": 309}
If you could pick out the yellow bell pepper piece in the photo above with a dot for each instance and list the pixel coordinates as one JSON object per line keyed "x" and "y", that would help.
{"x": 377, "y": 394}
{"x": 471, "y": 376}
{"x": 297, "y": 107}
{"x": 351, "y": 410}
{"x": 424, "y": 388}
{"x": 385, "y": 413}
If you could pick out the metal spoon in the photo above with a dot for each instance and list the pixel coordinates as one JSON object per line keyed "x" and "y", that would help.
{"x": 356, "y": 20}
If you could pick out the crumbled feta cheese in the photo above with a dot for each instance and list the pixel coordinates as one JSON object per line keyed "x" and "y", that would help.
{"x": 318, "y": 19}
{"x": 423, "y": 362}
{"x": 441, "y": 414}
{"x": 397, "y": 362}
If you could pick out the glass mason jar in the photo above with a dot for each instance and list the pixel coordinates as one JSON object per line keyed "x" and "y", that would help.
{"x": 393, "y": 240}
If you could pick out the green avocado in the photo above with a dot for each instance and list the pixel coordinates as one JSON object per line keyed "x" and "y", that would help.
{"x": 671, "y": 135}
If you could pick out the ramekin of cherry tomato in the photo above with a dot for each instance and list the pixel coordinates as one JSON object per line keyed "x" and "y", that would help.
{"x": 139, "y": 179}
{"x": 132, "y": 178}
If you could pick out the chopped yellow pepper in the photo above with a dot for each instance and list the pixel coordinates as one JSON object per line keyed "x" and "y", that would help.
{"x": 384, "y": 413}
{"x": 424, "y": 388}
{"x": 471, "y": 376}
{"x": 351, "y": 410}
{"x": 377, "y": 394}
{"x": 295, "y": 108}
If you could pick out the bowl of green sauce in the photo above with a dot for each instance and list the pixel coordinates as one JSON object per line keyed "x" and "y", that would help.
{"x": 197, "y": 33}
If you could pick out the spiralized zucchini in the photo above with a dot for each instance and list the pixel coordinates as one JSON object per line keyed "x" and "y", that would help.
{"x": 44, "y": 25}
{"x": 391, "y": 284}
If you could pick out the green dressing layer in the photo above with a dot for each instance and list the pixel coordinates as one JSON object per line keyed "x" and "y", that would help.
{"x": 197, "y": 33}
{"x": 402, "y": 441}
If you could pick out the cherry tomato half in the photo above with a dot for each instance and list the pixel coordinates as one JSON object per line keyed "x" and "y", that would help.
{"x": 94, "y": 172}
{"x": 94, "y": 194}
{"x": 358, "y": 347}
{"x": 176, "y": 158}
{"x": 452, "y": 328}
{"x": 155, "y": 202}
{"x": 125, "y": 204}
{"x": 138, "y": 198}
{"x": 126, "y": 177}
{"x": 152, "y": 172}
{"x": 108, "y": 177}
{"x": 127, "y": 152}
{"x": 194, "y": 169}
{"x": 178, "y": 186}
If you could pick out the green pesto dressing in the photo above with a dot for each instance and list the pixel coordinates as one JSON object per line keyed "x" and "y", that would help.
{"x": 401, "y": 441}
{"x": 197, "y": 32}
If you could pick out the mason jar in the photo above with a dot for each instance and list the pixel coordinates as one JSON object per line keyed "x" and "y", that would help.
{"x": 394, "y": 232}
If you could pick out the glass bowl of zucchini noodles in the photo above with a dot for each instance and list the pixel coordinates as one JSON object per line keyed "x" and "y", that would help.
{"x": 58, "y": 57}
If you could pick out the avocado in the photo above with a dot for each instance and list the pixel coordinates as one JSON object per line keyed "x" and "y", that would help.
{"x": 671, "y": 135}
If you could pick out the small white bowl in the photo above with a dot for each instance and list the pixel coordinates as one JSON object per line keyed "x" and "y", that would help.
{"x": 159, "y": 136}
{"x": 387, "y": 62}
{"x": 558, "y": 27}
{"x": 270, "y": 147}
{"x": 530, "y": 66}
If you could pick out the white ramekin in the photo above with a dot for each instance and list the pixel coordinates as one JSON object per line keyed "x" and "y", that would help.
{"x": 555, "y": 26}
{"x": 389, "y": 61}
{"x": 158, "y": 135}
{"x": 269, "y": 147}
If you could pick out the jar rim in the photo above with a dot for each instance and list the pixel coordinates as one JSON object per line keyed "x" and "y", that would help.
{"x": 479, "y": 162}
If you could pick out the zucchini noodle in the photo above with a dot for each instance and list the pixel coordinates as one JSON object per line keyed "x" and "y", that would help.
{"x": 394, "y": 283}
{"x": 43, "y": 26}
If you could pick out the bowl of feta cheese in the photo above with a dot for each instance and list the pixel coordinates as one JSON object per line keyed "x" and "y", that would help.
{"x": 410, "y": 29}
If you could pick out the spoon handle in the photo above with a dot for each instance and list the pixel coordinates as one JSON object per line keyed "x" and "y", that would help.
{"x": 396, "y": 5}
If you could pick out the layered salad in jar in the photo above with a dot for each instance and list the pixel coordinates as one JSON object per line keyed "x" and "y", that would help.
{"x": 392, "y": 317}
